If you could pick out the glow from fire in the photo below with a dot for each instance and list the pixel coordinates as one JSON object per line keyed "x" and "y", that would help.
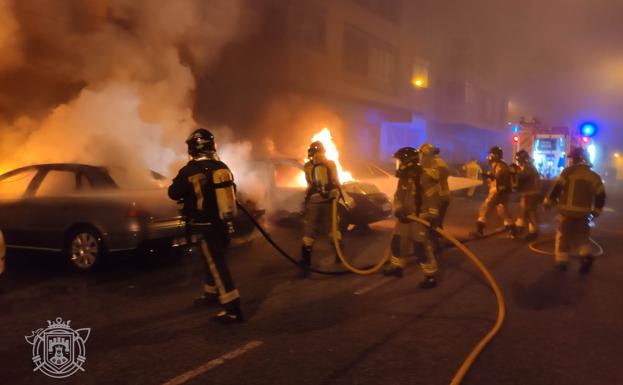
{"x": 332, "y": 153}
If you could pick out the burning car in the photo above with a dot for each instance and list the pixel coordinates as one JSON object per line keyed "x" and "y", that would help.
{"x": 363, "y": 202}
{"x": 87, "y": 211}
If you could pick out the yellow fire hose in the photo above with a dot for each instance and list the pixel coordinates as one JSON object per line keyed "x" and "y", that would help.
{"x": 534, "y": 246}
{"x": 460, "y": 374}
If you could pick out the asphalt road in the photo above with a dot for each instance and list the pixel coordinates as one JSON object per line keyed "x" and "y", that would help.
{"x": 561, "y": 328}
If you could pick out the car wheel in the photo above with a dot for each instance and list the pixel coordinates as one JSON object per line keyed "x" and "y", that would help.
{"x": 85, "y": 249}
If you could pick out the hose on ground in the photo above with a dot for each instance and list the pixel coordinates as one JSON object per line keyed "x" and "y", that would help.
{"x": 534, "y": 246}
{"x": 283, "y": 252}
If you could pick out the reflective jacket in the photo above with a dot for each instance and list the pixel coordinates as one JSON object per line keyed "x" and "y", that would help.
{"x": 418, "y": 192}
{"x": 578, "y": 191}
{"x": 528, "y": 179}
{"x": 472, "y": 170}
{"x": 322, "y": 180}
{"x": 444, "y": 173}
{"x": 195, "y": 185}
{"x": 500, "y": 178}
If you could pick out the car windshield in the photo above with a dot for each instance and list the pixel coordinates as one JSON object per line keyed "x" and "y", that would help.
{"x": 14, "y": 185}
{"x": 134, "y": 179}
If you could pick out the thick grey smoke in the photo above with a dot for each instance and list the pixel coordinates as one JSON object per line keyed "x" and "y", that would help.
{"x": 116, "y": 81}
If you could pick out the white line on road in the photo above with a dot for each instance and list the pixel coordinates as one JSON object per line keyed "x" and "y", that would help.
{"x": 368, "y": 288}
{"x": 189, "y": 375}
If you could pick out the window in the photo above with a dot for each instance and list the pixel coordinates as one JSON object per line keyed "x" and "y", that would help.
{"x": 356, "y": 52}
{"x": 14, "y": 186}
{"x": 383, "y": 66}
{"x": 309, "y": 27}
{"x": 57, "y": 183}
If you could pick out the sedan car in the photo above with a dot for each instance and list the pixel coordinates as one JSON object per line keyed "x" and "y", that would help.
{"x": 87, "y": 211}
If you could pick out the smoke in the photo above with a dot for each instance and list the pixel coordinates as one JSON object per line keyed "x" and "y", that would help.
{"x": 105, "y": 82}
{"x": 9, "y": 38}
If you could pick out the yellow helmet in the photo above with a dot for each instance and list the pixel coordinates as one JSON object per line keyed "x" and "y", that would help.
{"x": 427, "y": 149}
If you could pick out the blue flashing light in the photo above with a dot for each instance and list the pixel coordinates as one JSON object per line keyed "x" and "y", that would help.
{"x": 516, "y": 128}
{"x": 588, "y": 129}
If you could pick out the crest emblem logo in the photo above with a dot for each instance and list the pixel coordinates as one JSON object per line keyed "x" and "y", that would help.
{"x": 59, "y": 351}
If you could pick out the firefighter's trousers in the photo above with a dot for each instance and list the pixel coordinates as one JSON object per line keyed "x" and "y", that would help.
{"x": 413, "y": 237}
{"x": 213, "y": 244}
{"x": 496, "y": 201}
{"x": 318, "y": 222}
{"x": 528, "y": 204}
{"x": 572, "y": 232}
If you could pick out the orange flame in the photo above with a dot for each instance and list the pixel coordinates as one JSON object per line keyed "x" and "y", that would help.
{"x": 324, "y": 136}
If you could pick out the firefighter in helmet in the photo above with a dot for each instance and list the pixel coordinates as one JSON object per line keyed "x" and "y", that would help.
{"x": 417, "y": 194}
{"x": 322, "y": 188}
{"x": 499, "y": 193}
{"x": 580, "y": 195}
{"x": 444, "y": 187}
{"x": 529, "y": 188}
{"x": 205, "y": 186}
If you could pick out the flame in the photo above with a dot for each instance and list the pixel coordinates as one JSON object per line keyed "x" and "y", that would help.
{"x": 332, "y": 153}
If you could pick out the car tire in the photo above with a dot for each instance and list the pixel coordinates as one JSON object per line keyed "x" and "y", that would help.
{"x": 84, "y": 248}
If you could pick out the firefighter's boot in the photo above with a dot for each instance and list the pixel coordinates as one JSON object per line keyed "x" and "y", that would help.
{"x": 511, "y": 231}
{"x": 305, "y": 261}
{"x": 429, "y": 282}
{"x": 480, "y": 230}
{"x": 586, "y": 264}
{"x": 393, "y": 271}
{"x": 229, "y": 315}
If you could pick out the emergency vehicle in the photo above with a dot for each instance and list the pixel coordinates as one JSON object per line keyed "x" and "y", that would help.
{"x": 548, "y": 146}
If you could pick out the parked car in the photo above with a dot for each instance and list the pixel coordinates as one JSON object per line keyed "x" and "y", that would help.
{"x": 87, "y": 211}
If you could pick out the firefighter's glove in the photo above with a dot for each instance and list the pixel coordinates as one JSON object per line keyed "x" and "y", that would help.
{"x": 547, "y": 204}
{"x": 402, "y": 216}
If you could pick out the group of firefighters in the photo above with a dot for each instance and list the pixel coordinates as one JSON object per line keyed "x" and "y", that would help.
{"x": 206, "y": 188}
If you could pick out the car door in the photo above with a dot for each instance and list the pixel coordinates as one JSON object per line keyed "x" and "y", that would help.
{"x": 46, "y": 211}
{"x": 14, "y": 186}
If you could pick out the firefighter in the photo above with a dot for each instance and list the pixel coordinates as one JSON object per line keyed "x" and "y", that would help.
{"x": 472, "y": 171}
{"x": 499, "y": 194}
{"x": 444, "y": 187}
{"x": 580, "y": 195}
{"x": 322, "y": 188}
{"x": 417, "y": 194}
{"x": 206, "y": 188}
{"x": 529, "y": 188}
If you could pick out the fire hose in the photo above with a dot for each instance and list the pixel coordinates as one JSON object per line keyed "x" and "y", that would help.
{"x": 367, "y": 270}
{"x": 460, "y": 374}
{"x": 534, "y": 246}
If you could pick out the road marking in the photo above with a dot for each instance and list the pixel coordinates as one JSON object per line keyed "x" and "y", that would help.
{"x": 368, "y": 288}
{"x": 189, "y": 375}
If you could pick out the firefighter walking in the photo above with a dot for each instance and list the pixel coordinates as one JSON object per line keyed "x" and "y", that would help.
{"x": 472, "y": 171}
{"x": 580, "y": 194}
{"x": 499, "y": 194}
{"x": 529, "y": 188}
{"x": 322, "y": 188}
{"x": 444, "y": 187}
{"x": 417, "y": 194}
{"x": 206, "y": 188}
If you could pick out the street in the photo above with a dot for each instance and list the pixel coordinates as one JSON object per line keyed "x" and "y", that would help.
{"x": 561, "y": 328}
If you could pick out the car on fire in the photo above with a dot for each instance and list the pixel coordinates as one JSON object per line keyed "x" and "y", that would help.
{"x": 88, "y": 211}
{"x": 363, "y": 202}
